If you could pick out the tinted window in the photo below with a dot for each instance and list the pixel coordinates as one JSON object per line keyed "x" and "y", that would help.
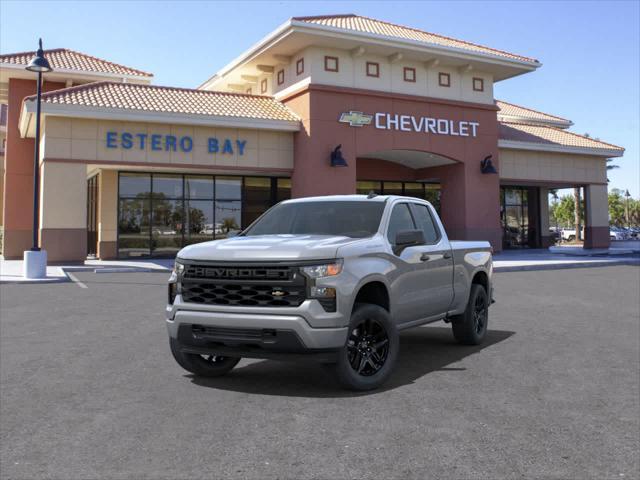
{"x": 425, "y": 223}
{"x": 347, "y": 218}
{"x": 400, "y": 220}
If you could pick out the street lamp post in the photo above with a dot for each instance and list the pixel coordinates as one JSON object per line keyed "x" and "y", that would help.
{"x": 626, "y": 208}
{"x": 35, "y": 260}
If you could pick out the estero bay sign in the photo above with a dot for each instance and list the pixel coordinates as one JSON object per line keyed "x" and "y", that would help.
{"x": 171, "y": 143}
{"x": 411, "y": 123}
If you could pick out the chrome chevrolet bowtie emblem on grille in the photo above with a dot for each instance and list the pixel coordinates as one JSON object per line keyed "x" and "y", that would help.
{"x": 277, "y": 293}
{"x": 356, "y": 119}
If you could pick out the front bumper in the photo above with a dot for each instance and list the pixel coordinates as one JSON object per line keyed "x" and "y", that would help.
{"x": 249, "y": 330}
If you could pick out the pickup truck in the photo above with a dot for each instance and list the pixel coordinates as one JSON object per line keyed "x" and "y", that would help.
{"x": 330, "y": 278}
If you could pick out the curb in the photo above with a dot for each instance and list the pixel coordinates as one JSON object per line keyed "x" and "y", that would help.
{"x": 565, "y": 266}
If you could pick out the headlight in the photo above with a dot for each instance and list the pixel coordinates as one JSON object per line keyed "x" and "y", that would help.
{"x": 325, "y": 270}
{"x": 178, "y": 268}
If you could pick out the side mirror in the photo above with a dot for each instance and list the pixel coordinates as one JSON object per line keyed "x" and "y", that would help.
{"x": 408, "y": 238}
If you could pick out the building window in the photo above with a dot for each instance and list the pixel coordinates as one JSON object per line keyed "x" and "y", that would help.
{"x": 331, "y": 64}
{"x": 373, "y": 69}
{"x": 425, "y": 191}
{"x": 444, "y": 79}
{"x": 478, "y": 84}
{"x": 409, "y": 74}
{"x": 158, "y": 214}
{"x": 263, "y": 86}
{"x": 280, "y": 77}
{"x": 300, "y": 66}
{"x": 248, "y": 91}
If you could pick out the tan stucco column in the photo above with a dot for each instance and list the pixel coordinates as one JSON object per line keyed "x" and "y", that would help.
{"x": 546, "y": 240}
{"x": 63, "y": 211}
{"x": 596, "y": 216}
{"x": 107, "y": 214}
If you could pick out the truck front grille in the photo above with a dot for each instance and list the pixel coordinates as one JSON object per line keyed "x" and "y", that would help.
{"x": 251, "y": 286}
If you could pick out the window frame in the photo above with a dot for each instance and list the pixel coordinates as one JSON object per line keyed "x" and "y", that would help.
{"x": 393, "y": 207}
{"x": 480, "y": 82}
{"x": 327, "y": 59}
{"x": 413, "y": 208}
{"x": 407, "y": 70}
{"x": 443, "y": 75}
{"x": 377, "y": 67}
{"x": 263, "y": 85}
{"x": 300, "y": 66}
{"x": 280, "y": 76}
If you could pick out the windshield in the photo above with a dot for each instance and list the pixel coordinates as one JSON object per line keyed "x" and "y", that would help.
{"x": 356, "y": 219}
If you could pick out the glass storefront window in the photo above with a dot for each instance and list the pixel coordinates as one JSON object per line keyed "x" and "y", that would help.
{"x": 364, "y": 188}
{"x": 160, "y": 213}
{"x": 228, "y": 217}
{"x": 135, "y": 185}
{"x": 392, "y": 188}
{"x": 198, "y": 188}
{"x": 228, "y": 188}
{"x": 256, "y": 198}
{"x": 167, "y": 186}
{"x": 283, "y": 189}
{"x": 412, "y": 189}
{"x": 133, "y": 227}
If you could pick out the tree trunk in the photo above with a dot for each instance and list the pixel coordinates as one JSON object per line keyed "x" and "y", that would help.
{"x": 576, "y": 209}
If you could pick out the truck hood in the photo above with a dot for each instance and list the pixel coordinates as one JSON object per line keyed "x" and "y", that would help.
{"x": 264, "y": 248}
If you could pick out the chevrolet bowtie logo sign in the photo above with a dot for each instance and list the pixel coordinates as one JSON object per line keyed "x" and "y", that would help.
{"x": 356, "y": 119}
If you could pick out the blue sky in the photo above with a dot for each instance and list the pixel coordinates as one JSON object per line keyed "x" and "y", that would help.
{"x": 589, "y": 50}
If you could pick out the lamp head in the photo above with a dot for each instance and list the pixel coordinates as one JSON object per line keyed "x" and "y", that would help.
{"x": 39, "y": 62}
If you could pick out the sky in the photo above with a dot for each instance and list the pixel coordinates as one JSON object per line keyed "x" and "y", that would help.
{"x": 590, "y": 51}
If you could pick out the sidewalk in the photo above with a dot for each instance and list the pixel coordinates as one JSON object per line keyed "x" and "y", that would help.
{"x": 506, "y": 261}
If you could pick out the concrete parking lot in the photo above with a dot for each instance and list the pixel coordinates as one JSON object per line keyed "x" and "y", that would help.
{"x": 89, "y": 390}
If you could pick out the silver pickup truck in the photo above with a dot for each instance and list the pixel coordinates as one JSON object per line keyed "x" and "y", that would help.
{"x": 330, "y": 278}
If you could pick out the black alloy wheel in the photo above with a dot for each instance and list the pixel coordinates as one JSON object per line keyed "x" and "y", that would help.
{"x": 368, "y": 347}
{"x": 480, "y": 313}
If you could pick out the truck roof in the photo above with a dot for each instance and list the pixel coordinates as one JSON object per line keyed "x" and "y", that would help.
{"x": 350, "y": 198}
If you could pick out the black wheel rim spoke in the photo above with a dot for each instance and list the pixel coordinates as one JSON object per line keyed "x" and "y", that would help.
{"x": 368, "y": 347}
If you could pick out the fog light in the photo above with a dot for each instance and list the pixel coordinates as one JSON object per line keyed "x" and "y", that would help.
{"x": 323, "y": 292}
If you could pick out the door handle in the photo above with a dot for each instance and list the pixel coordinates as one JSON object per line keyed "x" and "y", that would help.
{"x": 424, "y": 257}
{"x": 446, "y": 255}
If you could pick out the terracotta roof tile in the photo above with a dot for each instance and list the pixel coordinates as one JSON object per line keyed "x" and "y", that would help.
{"x": 370, "y": 25}
{"x": 513, "y": 110}
{"x": 517, "y": 132}
{"x": 152, "y": 98}
{"x": 65, "y": 59}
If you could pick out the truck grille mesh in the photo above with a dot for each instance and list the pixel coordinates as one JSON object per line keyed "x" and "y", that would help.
{"x": 245, "y": 295}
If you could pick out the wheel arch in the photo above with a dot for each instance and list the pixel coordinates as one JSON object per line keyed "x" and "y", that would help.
{"x": 375, "y": 291}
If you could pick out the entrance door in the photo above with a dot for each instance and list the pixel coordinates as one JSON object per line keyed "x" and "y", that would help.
{"x": 92, "y": 216}
{"x": 519, "y": 216}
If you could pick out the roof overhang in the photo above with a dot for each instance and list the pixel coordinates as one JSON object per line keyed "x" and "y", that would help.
{"x": 27, "y": 118}
{"x": 294, "y": 35}
{"x": 532, "y": 121}
{"x": 555, "y": 148}
{"x": 12, "y": 70}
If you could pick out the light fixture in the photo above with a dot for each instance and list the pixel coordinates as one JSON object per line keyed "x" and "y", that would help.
{"x": 337, "y": 160}
{"x": 486, "y": 166}
{"x": 39, "y": 62}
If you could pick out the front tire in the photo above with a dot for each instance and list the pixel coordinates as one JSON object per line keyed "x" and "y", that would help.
{"x": 371, "y": 349}
{"x": 470, "y": 328}
{"x": 202, "y": 365}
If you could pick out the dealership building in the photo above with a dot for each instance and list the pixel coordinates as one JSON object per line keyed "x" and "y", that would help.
{"x": 323, "y": 105}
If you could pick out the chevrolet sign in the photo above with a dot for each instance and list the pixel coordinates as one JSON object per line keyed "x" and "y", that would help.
{"x": 355, "y": 119}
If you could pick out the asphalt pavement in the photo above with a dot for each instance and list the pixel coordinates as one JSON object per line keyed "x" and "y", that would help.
{"x": 89, "y": 390}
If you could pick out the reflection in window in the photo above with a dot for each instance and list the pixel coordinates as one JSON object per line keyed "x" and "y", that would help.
{"x": 283, "y": 189}
{"x": 198, "y": 187}
{"x": 135, "y": 184}
{"x": 256, "y": 198}
{"x": 365, "y": 188}
{"x": 228, "y": 217}
{"x": 228, "y": 188}
{"x": 133, "y": 227}
{"x": 167, "y": 186}
{"x": 199, "y": 224}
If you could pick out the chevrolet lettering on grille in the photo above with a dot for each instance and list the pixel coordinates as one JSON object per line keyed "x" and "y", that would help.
{"x": 238, "y": 273}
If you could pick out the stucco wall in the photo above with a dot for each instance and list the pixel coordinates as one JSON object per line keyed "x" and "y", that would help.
{"x": 352, "y": 73}
{"x": 85, "y": 140}
{"x": 552, "y": 167}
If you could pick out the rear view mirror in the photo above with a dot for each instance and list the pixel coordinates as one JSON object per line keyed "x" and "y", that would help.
{"x": 408, "y": 238}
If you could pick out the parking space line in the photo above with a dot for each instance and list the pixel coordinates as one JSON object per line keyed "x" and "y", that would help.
{"x": 75, "y": 280}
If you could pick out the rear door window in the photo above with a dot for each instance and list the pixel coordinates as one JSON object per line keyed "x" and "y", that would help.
{"x": 425, "y": 222}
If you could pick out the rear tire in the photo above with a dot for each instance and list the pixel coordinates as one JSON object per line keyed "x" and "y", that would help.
{"x": 203, "y": 365}
{"x": 470, "y": 328}
{"x": 370, "y": 351}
